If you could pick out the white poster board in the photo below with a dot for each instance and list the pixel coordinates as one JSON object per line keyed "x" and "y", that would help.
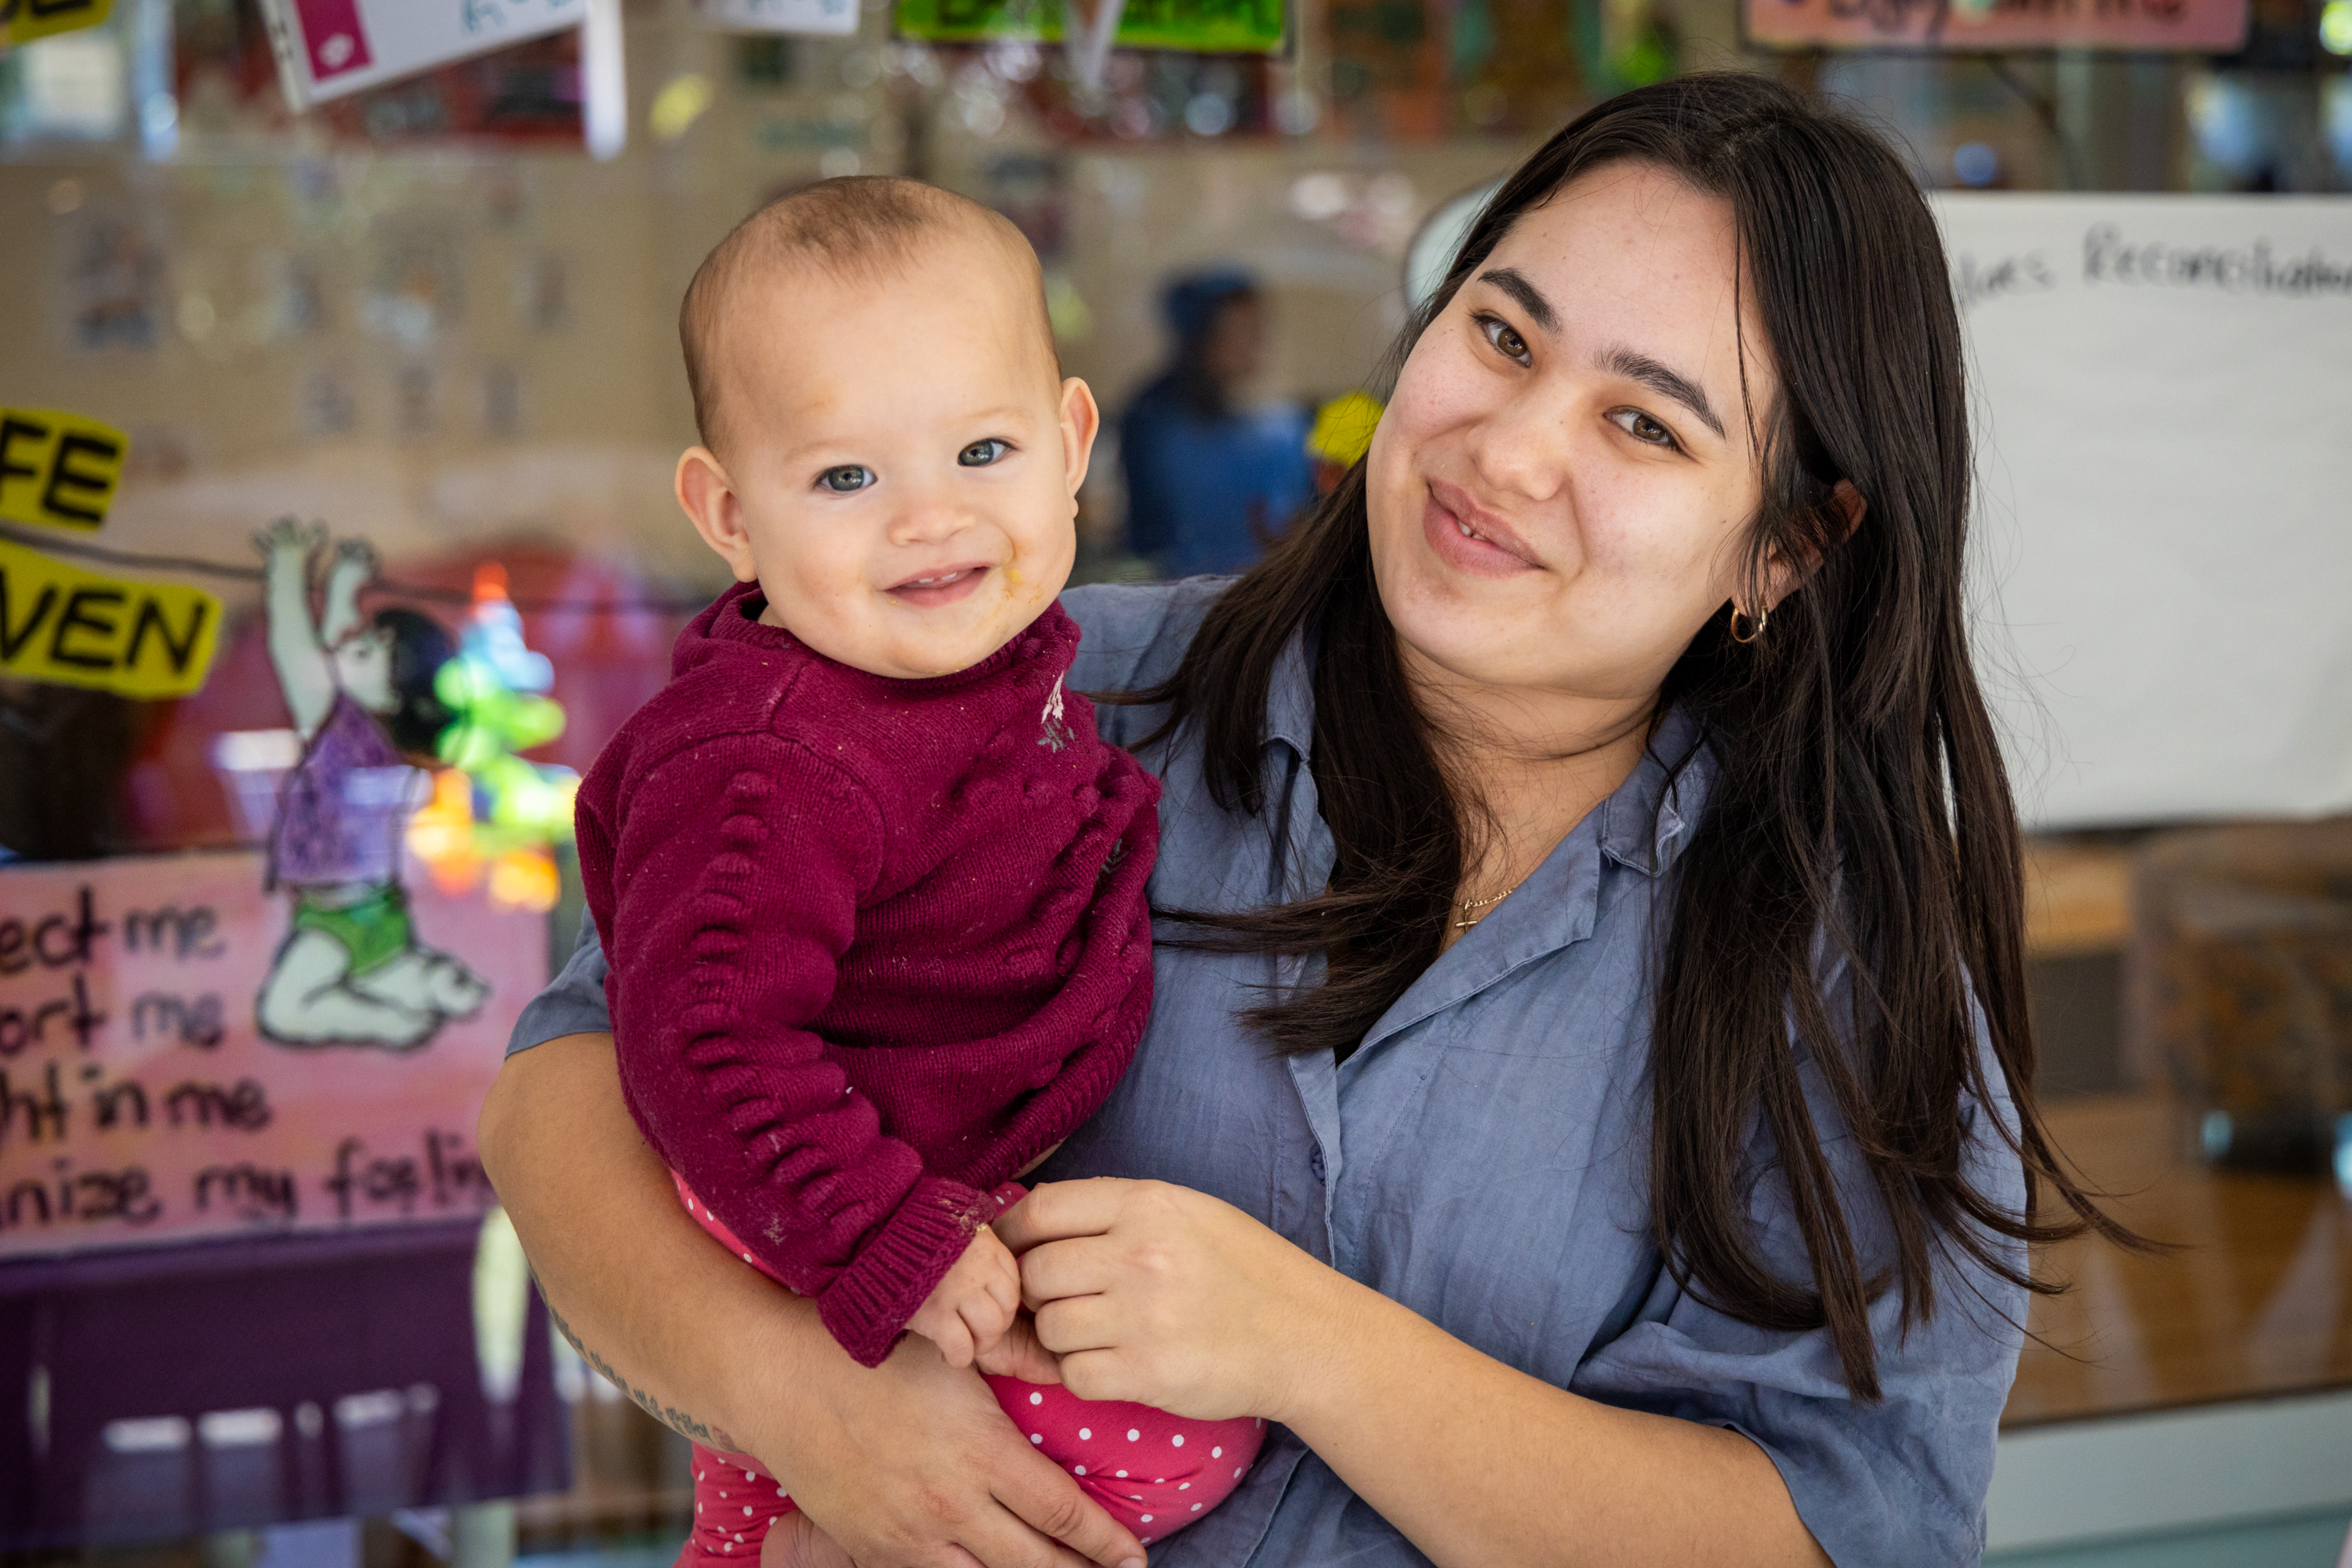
{"x": 327, "y": 48}
{"x": 835, "y": 19}
{"x": 2162, "y": 388}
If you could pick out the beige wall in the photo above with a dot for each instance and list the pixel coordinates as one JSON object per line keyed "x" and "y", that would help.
{"x": 430, "y": 268}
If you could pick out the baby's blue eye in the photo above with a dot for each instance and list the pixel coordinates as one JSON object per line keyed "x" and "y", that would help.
{"x": 980, "y": 454}
{"x": 849, "y": 477}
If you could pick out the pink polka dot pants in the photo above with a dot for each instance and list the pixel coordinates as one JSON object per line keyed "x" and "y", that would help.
{"x": 1153, "y": 1472}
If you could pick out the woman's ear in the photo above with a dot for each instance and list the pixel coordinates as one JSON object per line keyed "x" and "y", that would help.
{"x": 1081, "y": 422}
{"x": 707, "y": 497}
{"x": 1846, "y": 508}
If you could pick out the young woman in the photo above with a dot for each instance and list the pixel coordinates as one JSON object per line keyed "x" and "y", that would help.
{"x": 1588, "y": 1098}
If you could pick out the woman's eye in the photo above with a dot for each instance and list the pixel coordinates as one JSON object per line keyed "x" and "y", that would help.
{"x": 980, "y": 454}
{"x": 846, "y": 479}
{"x": 1642, "y": 428}
{"x": 1506, "y": 340}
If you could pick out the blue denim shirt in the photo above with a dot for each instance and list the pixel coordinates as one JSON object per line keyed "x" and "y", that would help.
{"x": 1482, "y": 1157}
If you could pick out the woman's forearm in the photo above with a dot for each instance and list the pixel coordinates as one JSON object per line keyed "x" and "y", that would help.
{"x": 1481, "y": 1465}
{"x": 631, "y": 1280}
{"x": 910, "y": 1463}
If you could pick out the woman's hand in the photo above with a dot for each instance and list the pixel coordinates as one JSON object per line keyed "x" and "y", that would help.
{"x": 289, "y": 540}
{"x": 904, "y": 1465}
{"x": 1168, "y": 1297}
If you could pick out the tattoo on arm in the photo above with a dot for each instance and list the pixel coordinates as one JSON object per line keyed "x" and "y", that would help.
{"x": 669, "y": 1416}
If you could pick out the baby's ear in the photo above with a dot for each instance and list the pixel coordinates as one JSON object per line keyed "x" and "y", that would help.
{"x": 1081, "y": 423}
{"x": 707, "y": 497}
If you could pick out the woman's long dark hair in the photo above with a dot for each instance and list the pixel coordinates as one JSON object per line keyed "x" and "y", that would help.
{"x": 1858, "y": 808}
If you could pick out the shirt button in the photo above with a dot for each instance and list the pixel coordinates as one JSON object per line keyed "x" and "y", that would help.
{"x": 1315, "y": 1162}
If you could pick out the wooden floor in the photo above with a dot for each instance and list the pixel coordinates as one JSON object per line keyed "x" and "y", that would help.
{"x": 2257, "y": 1301}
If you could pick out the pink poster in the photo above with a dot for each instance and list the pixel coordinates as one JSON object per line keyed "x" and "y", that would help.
{"x": 332, "y": 33}
{"x": 179, "y": 1061}
{"x": 2210, "y": 26}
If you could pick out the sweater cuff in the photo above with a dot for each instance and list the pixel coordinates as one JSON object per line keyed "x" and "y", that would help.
{"x": 869, "y": 1306}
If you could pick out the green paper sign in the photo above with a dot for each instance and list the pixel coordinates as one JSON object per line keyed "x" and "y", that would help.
{"x": 1197, "y": 27}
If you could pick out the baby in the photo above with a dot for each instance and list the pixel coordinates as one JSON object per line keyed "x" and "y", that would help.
{"x": 871, "y": 886}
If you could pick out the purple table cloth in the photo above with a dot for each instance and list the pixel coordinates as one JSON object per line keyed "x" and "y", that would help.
{"x": 356, "y": 1351}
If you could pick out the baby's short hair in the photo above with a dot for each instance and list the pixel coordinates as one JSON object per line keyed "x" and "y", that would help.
{"x": 852, "y": 227}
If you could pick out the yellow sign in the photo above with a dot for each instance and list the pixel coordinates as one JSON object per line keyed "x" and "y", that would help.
{"x": 22, "y": 21}
{"x": 68, "y": 627}
{"x": 57, "y": 469}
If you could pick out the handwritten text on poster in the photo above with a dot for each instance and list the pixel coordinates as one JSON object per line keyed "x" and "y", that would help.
{"x": 139, "y": 1103}
{"x": 69, "y": 627}
{"x": 57, "y": 469}
{"x": 1978, "y": 25}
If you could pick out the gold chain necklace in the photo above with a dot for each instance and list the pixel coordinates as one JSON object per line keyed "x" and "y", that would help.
{"x": 1468, "y": 905}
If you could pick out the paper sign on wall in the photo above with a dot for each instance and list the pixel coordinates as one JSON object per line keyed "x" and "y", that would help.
{"x": 327, "y": 48}
{"x": 2210, "y": 26}
{"x": 141, "y": 1101}
{"x": 2161, "y": 387}
{"x": 833, "y": 19}
{"x": 22, "y": 21}
{"x": 67, "y": 626}
{"x": 57, "y": 469}
{"x": 1203, "y": 27}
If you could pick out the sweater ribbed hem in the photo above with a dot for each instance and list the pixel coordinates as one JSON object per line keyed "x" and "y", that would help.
{"x": 868, "y": 1307}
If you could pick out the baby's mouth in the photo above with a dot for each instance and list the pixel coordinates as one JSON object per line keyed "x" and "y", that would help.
{"x": 941, "y": 587}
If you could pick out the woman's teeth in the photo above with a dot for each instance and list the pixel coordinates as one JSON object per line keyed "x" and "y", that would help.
{"x": 1470, "y": 533}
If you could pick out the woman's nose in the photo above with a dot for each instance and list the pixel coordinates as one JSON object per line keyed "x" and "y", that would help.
{"x": 1521, "y": 449}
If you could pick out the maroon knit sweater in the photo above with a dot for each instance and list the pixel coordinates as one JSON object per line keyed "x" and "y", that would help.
{"x": 876, "y": 944}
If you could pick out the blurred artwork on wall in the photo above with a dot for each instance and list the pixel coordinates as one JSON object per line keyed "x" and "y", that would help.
{"x": 1975, "y": 26}
{"x": 110, "y": 278}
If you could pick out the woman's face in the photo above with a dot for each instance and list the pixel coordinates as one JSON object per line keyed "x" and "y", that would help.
{"x": 364, "y": 670}
{"x": 1560, "y": 485}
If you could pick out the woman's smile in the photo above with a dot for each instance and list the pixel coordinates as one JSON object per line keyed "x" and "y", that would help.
{"x": 1470, "y": 538}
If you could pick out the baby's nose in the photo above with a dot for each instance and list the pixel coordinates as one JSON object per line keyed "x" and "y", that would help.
{"x": 927, "y": 522}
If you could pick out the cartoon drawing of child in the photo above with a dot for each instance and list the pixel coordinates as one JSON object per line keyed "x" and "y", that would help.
{"x": 351, "y": 971}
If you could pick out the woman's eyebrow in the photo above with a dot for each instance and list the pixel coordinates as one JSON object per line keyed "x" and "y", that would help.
{"x": 1514, "y": 282}
{"x": 1666, "y": 383}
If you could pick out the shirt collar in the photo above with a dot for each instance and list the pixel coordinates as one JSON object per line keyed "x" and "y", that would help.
{"x": 1648, "y": 821}
{"x": 1644, "y": 826}
{"x": 1290, "y": 696}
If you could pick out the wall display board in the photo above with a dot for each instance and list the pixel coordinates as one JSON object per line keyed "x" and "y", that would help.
{"x": 328, "y": 49}
{"x": 2162, "y": 388}
{"x": 1200, "y": 26}
{"x": 2211, "y": 27}
{"x": 184, "y": 1055}
{"x": 825, "y": 18}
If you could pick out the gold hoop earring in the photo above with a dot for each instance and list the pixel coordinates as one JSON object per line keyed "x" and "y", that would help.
{"x": 1757, "y": 621}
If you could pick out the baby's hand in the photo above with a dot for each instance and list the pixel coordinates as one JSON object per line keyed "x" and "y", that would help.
{"x": 970, "y": 1310}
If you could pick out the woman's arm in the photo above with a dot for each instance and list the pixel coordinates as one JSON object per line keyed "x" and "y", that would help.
{"x": 353, "y": 567}
{"x": 1453, "y": 1447}
{"x": 304, "y": 673}
{"x": 903, "y": 1465}
{"x": 1158, "y": 1294}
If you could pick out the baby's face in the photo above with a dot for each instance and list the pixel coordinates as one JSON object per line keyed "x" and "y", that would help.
{"x": 905, "y": 461}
